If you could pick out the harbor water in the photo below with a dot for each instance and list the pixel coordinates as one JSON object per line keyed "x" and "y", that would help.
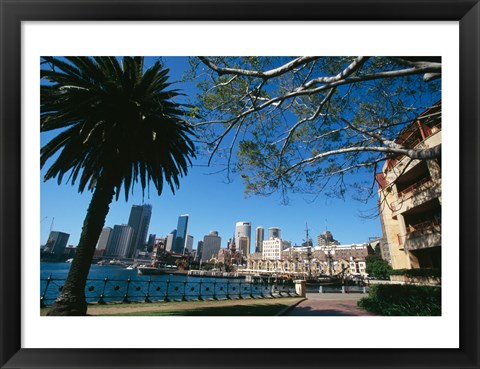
{"x": 112, "y": 283}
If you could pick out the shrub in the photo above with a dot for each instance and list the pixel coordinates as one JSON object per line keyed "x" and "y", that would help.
{"x": 402, "y": 300}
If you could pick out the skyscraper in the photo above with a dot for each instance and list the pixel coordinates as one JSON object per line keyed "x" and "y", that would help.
{"x": 120, "y": 241}
{"x": 243, "y": 229}
{"x": 170, "y": 240}
{"x": 259, "y": 238}
{"x": 273, "y": 232}
{"x": 244, "y": 245}
{"x": 104, "y": 237}
{"x": 211, "y": 245}
{"x": 189, "y": 243}
{"x": 199, "y": 250}
{"x": 57, "y": 241}
{"x": 180, "y": 240}
{"x": 139, "y": 220}
{"x": 151, "y": 242}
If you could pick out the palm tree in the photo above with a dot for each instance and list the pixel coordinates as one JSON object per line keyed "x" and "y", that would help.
{"x": 119, "y": 125}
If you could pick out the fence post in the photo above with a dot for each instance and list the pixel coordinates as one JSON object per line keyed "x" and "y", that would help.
{"x": 184, "y": 297}
{"x": 147, "y": 296}
{"x": 101, "y": 301}
{"x": 42, "y": 299}
{"x": 200, "y": 290}
{"x": 166, "y": 291}
{"x": 214, "y": 289}
{"x": 125, "y": 298}
{"x": 228, "y": 289}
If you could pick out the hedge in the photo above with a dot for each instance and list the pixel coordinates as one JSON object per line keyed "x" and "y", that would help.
{"x": 402, "y": 300}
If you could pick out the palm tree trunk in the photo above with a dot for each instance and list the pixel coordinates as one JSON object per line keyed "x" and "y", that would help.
{"x": 72, "y": 299}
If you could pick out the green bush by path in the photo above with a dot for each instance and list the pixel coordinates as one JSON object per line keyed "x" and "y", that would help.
{"x": 403, "y": 300}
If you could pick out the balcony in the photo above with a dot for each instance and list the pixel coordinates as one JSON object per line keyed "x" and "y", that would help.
{"x": 421, "y": 235}
{"x": 416, "y": 194}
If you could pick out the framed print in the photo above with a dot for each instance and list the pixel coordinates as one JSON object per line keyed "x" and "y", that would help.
{"x": 47, "y": 42}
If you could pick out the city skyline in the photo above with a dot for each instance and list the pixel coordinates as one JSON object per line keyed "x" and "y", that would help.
{"x": 225, "y": 234}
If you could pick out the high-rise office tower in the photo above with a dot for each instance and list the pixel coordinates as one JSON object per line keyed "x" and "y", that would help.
{"x": 170, "y": 240}
{"x": 244, "y": 245}
{"x": 57, "y": 241}
{"x": 211, "y": 245}
{"x": 139, "y": 220}
{"x": 199, "y": 250}
{"x": 120, "y": 241}
{"x": 273, "y": 232}
{"x": 151, "y": 242}
{"x": 243, "y": 229}
{"x": 180, "y": 240}
{"x": 189, "y": 243}
{"x": 259, "y": 238}
{"x": 104, "y": 237}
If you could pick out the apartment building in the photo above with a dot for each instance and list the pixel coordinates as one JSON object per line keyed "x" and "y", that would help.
{"x": 410, "y": 197}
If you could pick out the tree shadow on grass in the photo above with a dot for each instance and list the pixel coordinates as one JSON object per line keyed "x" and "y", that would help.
{"x": 235, "y": 310}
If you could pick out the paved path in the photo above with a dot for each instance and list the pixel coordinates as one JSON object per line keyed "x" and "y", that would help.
{"x": 329, "y": 304}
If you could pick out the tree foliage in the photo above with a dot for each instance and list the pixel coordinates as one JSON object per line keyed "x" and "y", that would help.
{"x": 376, "y": 266}
{"x": 299, "y": 124}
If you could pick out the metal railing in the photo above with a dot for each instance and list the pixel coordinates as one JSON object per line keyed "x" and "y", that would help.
{"x": 106, "y": 290}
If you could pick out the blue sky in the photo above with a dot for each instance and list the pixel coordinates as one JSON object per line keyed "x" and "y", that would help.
{"x": 211, "y": 203}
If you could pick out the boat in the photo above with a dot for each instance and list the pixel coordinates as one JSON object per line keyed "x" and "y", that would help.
{"x": 324, "y": 280}
{"x": 151, "y": 270}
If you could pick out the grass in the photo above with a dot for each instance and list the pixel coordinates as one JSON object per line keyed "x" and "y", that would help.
{"x": 246, "y": 307}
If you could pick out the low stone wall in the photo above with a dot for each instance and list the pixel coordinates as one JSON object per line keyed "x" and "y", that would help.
{"x": 430, "y": 281}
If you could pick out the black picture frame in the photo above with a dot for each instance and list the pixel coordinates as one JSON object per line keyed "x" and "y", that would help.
{"x": 467, "y": 12}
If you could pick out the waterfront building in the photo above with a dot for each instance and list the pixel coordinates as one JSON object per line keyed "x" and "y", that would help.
{"x": 180, "y": 240}
{"x": 273, "y": 232}
{"x": 139, "y": 220}
{"x": 279, "y": 256}
{"x": 120, "y": 241}
{"x": 243, "y": 229}
{"x": 210, "y": 246}
{"x": 272, "y": 248}
{"x": 57, "y": 241}
{"x": 69, "y": 252}
{"x": 346, "y": 252}
{"x": 103, "y": 239}
{"x": 259, "y": 238}
{"x": 410, "y": 197}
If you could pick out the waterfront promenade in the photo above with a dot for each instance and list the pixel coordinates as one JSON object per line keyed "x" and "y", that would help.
{"x": 315, "y": 304}
{"x": 329, "y": 304}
